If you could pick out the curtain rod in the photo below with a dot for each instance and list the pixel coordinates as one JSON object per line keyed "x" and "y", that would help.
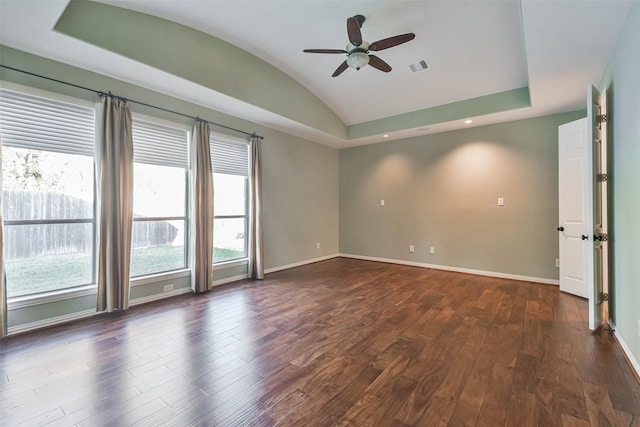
{"x": 102, "y": 93}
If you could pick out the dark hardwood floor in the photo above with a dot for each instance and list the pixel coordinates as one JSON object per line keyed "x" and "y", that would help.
{"x": 340, "y": 342}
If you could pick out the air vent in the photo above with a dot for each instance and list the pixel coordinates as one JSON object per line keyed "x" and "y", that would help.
{"x": 419, "y": 66}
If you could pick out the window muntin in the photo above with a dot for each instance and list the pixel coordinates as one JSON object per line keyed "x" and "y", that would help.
{"x": 48, "y": 193}
{"x": 230, "y": 163}
{"x": 158, "y": 238}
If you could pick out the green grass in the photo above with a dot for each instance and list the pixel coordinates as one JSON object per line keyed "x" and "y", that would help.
{"x": 226, "y": 254}
{"x": 47, "y": 273}
{"x": 156, "y": 259}
{"x": 27, "y": 276}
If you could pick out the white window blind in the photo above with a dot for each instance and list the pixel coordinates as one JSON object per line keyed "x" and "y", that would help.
{"x": 157, "y": 144}
{"x": 229, "y": 157}
{"x": 33, "y": 122}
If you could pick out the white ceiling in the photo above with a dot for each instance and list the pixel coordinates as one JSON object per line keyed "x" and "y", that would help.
{"x": 474, "y": 48}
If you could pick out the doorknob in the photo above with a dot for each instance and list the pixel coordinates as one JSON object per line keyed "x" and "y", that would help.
{"x": 585, "y": 237}
{"x": 560, "y": 228}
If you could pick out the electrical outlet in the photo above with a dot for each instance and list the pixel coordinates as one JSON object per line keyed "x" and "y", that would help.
{"x": 432, "y": 250}
{"x": 318, "y": 245}
{"x": 167, "y": 288}
{"x": 557, "y": 263}
{"x": 412, "y": 249}
{"x": 500, "y": 201}
{"x": 381, "y": 202}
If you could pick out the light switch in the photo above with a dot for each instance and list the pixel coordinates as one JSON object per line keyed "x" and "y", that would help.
{"x": 500, "y": 201}
{"x": 381, "y": 202}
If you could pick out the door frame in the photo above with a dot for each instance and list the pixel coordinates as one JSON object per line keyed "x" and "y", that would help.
{"x": 599, "y": 295}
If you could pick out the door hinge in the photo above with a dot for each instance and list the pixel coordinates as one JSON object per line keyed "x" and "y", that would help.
{"x": 600, "y": 237}
{"x": 602, "y": 177}
{"x": 605, "y": 297}
{"x": 601, "y": 118}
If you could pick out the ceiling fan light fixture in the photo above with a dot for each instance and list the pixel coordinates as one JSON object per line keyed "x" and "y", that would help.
{"x": 357, "y": 49}
{"x": 357, "y": 60}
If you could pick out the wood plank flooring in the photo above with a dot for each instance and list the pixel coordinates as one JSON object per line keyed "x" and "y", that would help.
{"x": 337, "y": 343}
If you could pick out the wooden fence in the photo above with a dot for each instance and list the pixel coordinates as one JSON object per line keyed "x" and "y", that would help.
{"x": 21, "y": 241}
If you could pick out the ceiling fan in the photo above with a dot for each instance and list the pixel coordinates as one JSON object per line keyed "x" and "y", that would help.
{"x": 358, "y": 49}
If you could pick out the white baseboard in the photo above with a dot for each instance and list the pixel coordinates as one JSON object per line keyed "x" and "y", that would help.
{"x": 456, "y": 269}
{"x": 301, "y": 263}
{"x": 25, "y": 327}
{"x": 627, "y": 351}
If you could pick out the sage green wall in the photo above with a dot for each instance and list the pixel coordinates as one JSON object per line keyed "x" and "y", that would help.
{"x": 442, "y": 190}
{"x": 623, "y": 98}
{"x": 197, "y": 57}
{"x": 300, "y": 181}
{"x": 474, "y": 107}
{"x": 300, "y": 178}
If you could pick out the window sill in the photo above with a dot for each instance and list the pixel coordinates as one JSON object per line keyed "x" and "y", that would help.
{"x": 52, "y": 296}
{"x": 230, "y": 264}
{"x": 81, "y": 291}
{"x": 154, "y": 278}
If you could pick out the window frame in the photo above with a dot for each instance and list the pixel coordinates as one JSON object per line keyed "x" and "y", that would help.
{"x": 221, "y": 137}
{"x": 69, "y": 291}
{"x": 150, "y": 277}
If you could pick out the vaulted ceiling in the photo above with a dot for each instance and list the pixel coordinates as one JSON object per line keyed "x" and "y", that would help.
{"x": 489, "y": 61}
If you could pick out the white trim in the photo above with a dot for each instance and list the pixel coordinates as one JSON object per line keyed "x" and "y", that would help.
{"x": 52, "y": 321}
{"x": 16, "y": 303}
{"x": 159, "y": 277}
{"x": 274, "y": 269}
{"x": 162, "y": 295}
{"x": 222, "y": 265}
{"x": 298, "y": 264}
{"x": 457, "y": 269}
{"x": 625, "y": 348}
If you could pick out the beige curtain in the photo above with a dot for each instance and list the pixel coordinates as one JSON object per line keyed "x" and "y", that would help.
{"x": 114, "y": 182}
{"x": 3, "y": 282}
{"x": 256, "y": 249}
{"x": 202, "y": 210}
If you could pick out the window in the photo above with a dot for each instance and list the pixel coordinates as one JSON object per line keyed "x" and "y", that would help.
{"x": 159, "y": 198}
{"x": 48, "y": 193}
{"x": 230, "y": 162}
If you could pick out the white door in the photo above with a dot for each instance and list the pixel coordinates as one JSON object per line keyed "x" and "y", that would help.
{"x": 599, "y": 291}
{"x": 575, "y": 225}
{"x": 583, "y": 208}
